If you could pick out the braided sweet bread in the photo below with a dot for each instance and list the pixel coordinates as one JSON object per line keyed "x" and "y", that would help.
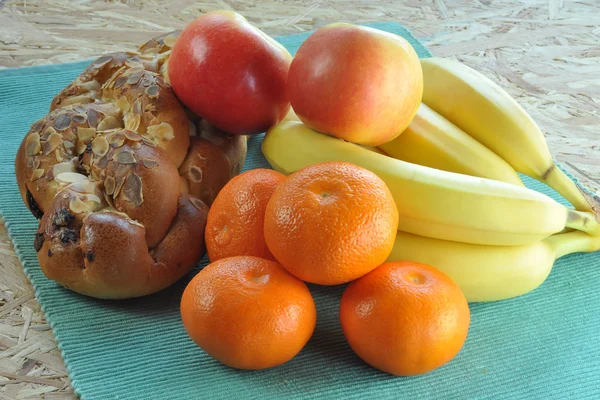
{"x": 121, "y": 175}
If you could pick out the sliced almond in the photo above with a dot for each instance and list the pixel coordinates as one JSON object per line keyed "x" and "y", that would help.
{"x": 54, "y": 140}
{"x": 135, "y": 76}
{"x": 80, "y": 148}
{"x": 79, "y": 118}
{"x": 133, "y": 123}
{"x": 62, "y": 121}
{"x": 132, "y": 190}
{"x": 47, "y": 132}
{"x": 147, "y": 80}
{"x": 69, "y": 177}
{"x": 161, "y": 82}
{"x": 163, "y": 131}
{"x": 123, "y": 104}
{"x": 148, "y": 163}
{"x": 91, "y": 197}
{"x": 164, "y": 56}
{"x": 98, "y": 173}
{"x": 81, "y": 99}
{"x": 38, "y": 125}
{"x": 78, "y": 206}
{"x": 120, "y": 81}
{"x": 116, "y": 140}
{"x": 58, "y": 156}
{"x": 33, "y": 162}
{"x": 109, "y": 122}
{"x": 121, "y": 173}
{"x": 91, "y": 86}
{"x": 119, "y": 181}
{"x": 102, "y": 162}
{"x": 62, "y": 167}
{"x": 37, "y": 174}
{"x": 131, "y": 135}
{"x": 170, "y": 40}
{"x": 137, "y": 107}
{"x": 149, "y": 50}
{"x": 85, "y": 134}
{"x": 124, "y": 157}
{"x": 84, "y": 187}
{"x": 100, "y": 146}
{"x": 109, "y": 185}
{"x": 131, "y": 63}
{"x": 148, "y": 141}
{"x": 32, "y": 144}
{"x": 109, "y": 200}
{"x": 102, "y": 61}
{"x": 92, "y": 117}
{"x": 196, "y": 174}
{"x": 152, "y": 91}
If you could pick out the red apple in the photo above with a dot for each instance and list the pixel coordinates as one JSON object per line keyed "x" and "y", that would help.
{"x": 230, "y": 73}
{"x": 356, "y": 83}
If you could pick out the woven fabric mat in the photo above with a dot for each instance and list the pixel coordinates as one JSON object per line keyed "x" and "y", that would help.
{"x": 544, "y": 345}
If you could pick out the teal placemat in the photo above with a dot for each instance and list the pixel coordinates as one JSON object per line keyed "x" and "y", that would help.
{"x": 543, "y": 345}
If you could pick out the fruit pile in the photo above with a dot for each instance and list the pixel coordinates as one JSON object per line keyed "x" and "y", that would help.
{"x": 396, "y": 175}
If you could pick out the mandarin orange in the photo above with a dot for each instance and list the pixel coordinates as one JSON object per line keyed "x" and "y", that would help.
{"x": 236, "y": 218}
{"x": 248, "y": 313}
{"x": 331, "y": 223}
{"x": 405, "y": 318}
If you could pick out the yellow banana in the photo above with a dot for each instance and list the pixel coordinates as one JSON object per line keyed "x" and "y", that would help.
{"x": 433, "y": 141}
{"x": 489, "y": 114}
{"x": 431, "y": 202}
{"x": 489, "y": 273}
{"x": 291, "y": 116}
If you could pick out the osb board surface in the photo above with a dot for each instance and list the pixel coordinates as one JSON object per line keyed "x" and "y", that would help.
{"x": 544, "y": 52}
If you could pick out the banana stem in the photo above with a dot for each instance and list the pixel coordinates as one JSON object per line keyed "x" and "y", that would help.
{"x": 559, "y": 181}
{"x": 573, "y": 242}
{"x": 583, "y": 221}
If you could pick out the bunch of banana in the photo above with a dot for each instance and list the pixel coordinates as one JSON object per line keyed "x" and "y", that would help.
{"x": 432, "y": 202}
{"x": 438, "y": 207}
{"x": 470, "y": 125}
{"x": 489, "y": 273}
